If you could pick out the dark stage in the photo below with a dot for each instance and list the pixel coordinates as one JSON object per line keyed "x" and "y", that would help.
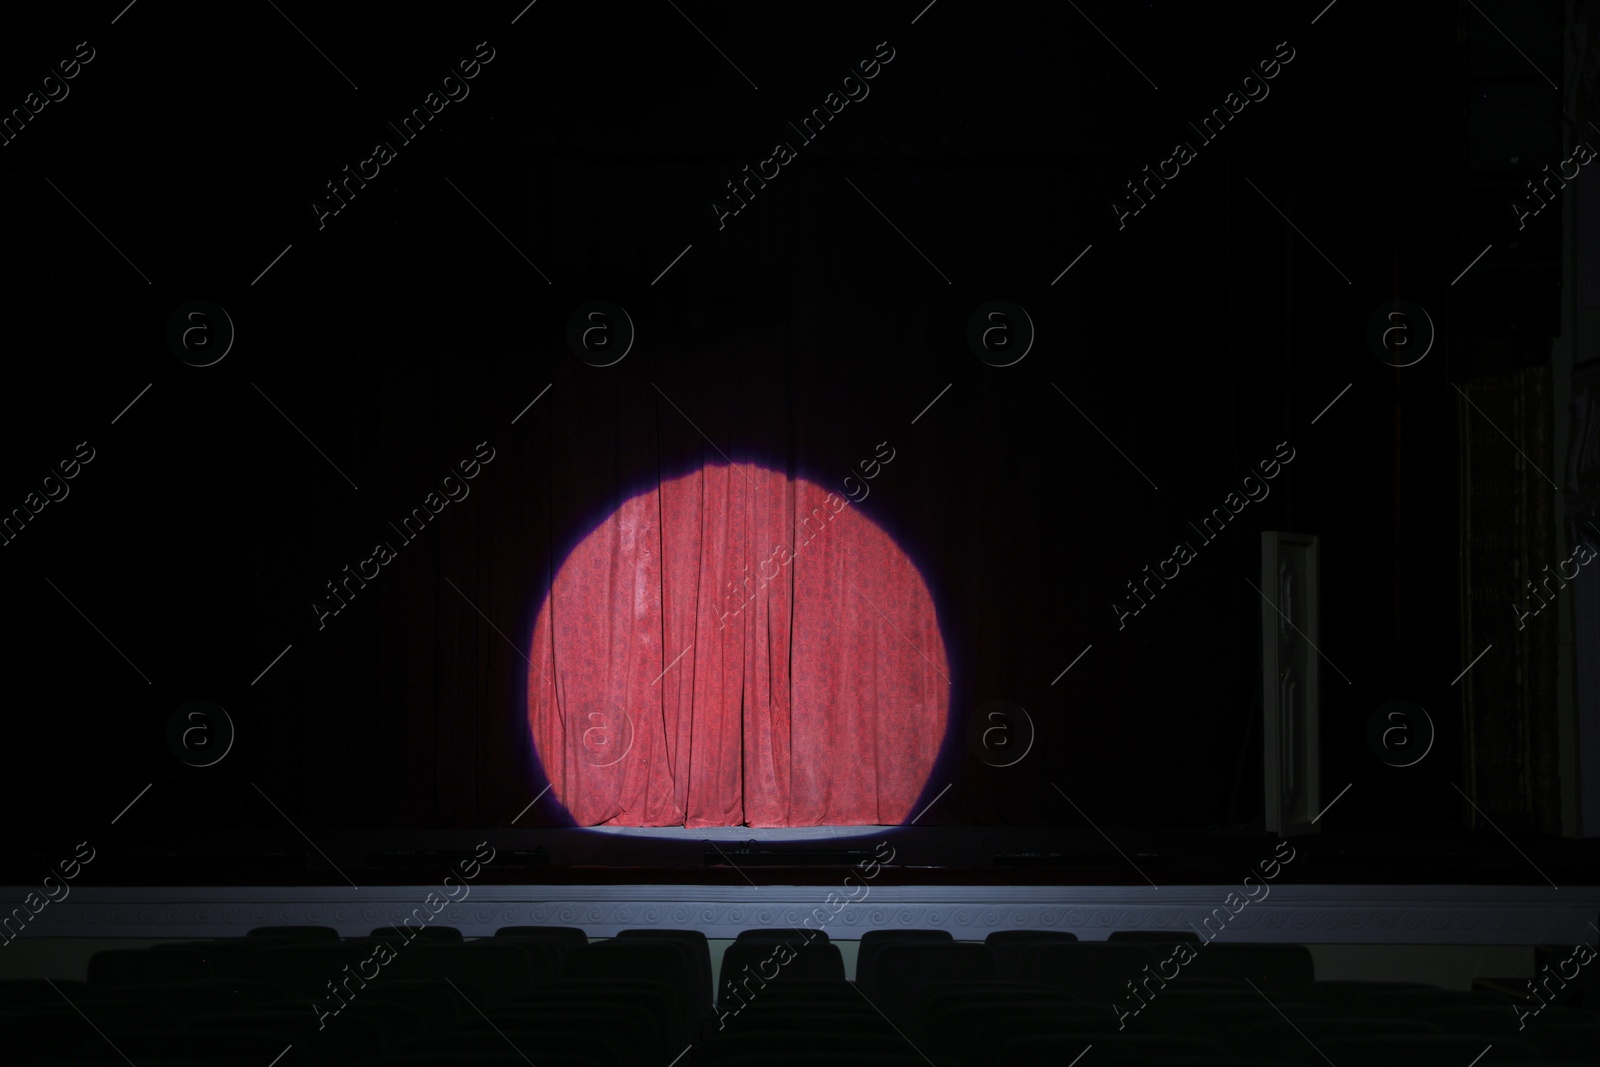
{"x": 1089, "y": 468}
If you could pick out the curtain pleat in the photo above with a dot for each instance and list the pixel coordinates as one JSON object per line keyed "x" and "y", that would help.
{"x": 735, "y": 647}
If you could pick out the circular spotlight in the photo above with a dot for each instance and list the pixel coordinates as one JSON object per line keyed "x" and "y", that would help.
{"x": 735, "y": 647}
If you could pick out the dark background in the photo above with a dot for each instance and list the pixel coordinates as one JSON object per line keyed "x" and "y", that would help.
{"x": 801, "y": 335}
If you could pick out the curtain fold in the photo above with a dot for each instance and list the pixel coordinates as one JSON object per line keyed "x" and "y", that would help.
{"x": 737, "y": 647}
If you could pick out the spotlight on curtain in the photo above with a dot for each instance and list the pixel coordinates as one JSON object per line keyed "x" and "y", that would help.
{"x": 735, "y": 646}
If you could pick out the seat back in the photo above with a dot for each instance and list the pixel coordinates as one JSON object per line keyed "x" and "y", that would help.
{"x": 296, "y": 933}
{"x": 189, "y": 1045}
{"x": 749, "y": 966}
{"x": 1034, "y": 1049}
{"x": 1009, "y": 950}
{"x": 1345, "y": 992}
{"x": 698, "y": 945}
{"x": 1426, "y": 1050}
{"x": 307, "y": 970}
{"x": 652, "y": 1003}
{"x": 1269, "y": 1040}
{"x": 1420, "y": 1003}
{"x": 501, "y": 971}
{"x": 813, "y": 1045}
{"x": 1573, "y": 1043}
{"x": 1097, "y": 971}
{"x": 488, "y": 1048}
{"x": 782, "y": 933}
{"x": 1231, "y": 1022}
{"x": 1159, "y": 937}
{"x": 903, "y": 970}
{"x": 1284, "y": 968}
{"x": 955, "y": 1021}
{"x": 591, "y": 1028}
{"x": 570, "y": 936}
{"x": 873, "y": 942}
{"x": 138, "y": 966}
{"x": 665, "y": 962}
{"x": 1506, "y": 1020}
{"x": 20, "y": 992}
{"x": 418, "y": 933}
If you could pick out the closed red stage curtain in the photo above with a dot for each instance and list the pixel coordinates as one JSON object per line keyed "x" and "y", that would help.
{"x": 736, "y": 647}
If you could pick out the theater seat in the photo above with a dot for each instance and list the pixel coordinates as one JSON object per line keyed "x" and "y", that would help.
{"x": 663, "y": 962}
{"x": 19, "y": 992}
{"x": 1231, "y": 1022}
{"x": 961, "y": 1023}
{"x": 536, "y": 1040}
{"x": 501, "y": 971}
{"x": 903, "y": 970}
{"x": 652, "y": 1003}
{"x": 698, "y": 945}
{"x": 1092, "y": 970}
{"x": 821, "y": 1045}
{"x": 216, "y": 1047}
{"x": 1502, "y": 1020}
{"x": 783, "y": 933}
{"x": 187, "y": 998}
{"x": 1419, "y": 1003}
{"x": 51, "y": 1032}
{"x": 1281, "y": 968}
{"x": 483, "y": 1059}
{"x": 750, "y": 965}
{"x": 1427, "y": 1050}
{"x": 593, "y": 1026}
{"x": 1001, "y": 937}
{"x": 440, "y": 1004}
{"x": 1567, "y": 1043}
{"x": 830, "y": 996}
{"x": 418, "y": 933}
{"x": 1060, "y": 1049}
{"x": 296, "y": 933}
{"x": 136, "y": 966}
{"x": 873, "y": 941}
{"x": 946, "y": 1011}
{"x": 1346, "y": 992}
{"x": 300, "y": 970}
{"x": 569, "y": 936}
{"x": 1273, "y": 1040}
{"x": 1009, "y": 946}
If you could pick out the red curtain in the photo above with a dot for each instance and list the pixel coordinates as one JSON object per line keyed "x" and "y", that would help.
{"x": 737, "y": 647}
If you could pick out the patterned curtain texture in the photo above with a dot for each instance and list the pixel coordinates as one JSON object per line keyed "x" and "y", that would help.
{"x": 737, "y": 647}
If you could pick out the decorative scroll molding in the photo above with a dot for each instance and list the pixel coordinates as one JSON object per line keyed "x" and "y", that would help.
{"x": 1460, "y": 915}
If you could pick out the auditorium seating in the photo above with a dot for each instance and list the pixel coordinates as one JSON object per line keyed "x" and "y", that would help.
{"x": 1093, "y": 970}
{"x": 873, "y": 942}
{"x": 296, "y": 933}
{"x": 697, "y": 944}
{"x": 904, "y": 968}
{"x": 783, "y": 933}
{"x": 1159, "y": 937}
{"x": 425, "y": 933}
{"x": 1279, "y": 968}
{"x": 1007, "y": 937}
{"x": 1009, "y": 946}
{"x": 570, "y": 936}
{"x": 750, "y": 965}
{"x": 670, "y": 964}
{"x": 551, "y": 996}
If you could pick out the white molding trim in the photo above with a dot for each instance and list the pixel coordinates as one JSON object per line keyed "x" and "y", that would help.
{"x": 1307, "y": 914}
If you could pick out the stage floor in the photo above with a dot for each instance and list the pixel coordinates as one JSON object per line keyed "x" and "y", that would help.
{"x": 921, "y": 855}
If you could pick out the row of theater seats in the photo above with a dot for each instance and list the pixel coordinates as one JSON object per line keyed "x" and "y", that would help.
{"x": 305, "y": 997}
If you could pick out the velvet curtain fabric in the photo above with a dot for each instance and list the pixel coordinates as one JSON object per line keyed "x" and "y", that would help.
{"x": 734, "y": 646}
